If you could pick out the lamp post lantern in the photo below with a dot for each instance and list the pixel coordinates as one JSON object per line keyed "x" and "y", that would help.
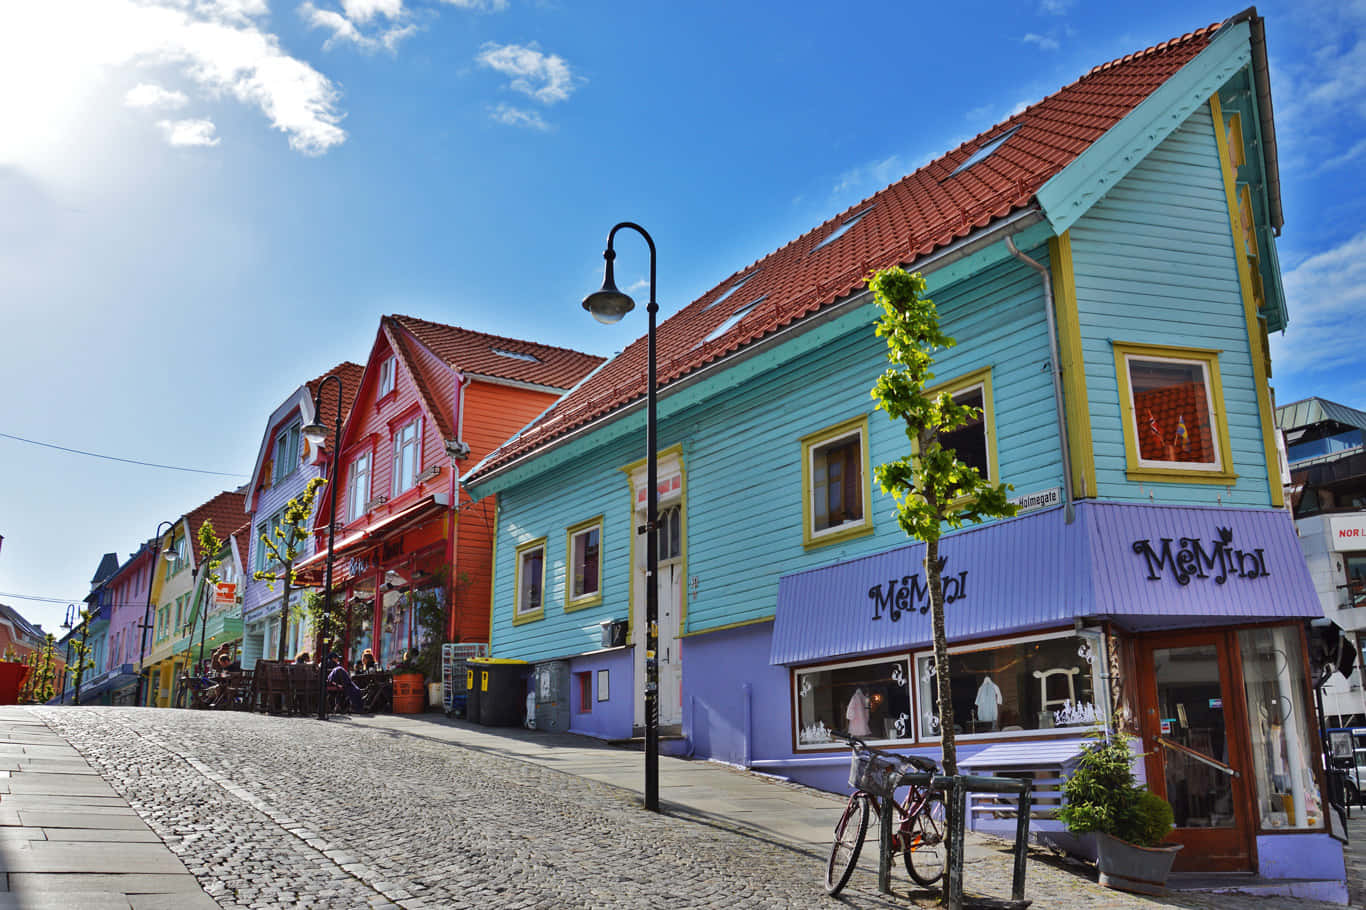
{"x": 608, "y": 306}
{"x": 147, "y": 611}
{"x": 316, "y": 434}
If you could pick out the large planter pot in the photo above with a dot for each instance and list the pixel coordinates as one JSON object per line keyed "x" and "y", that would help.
{"x": 12, "y": 675}
{"x": 1128, "y": 867}
{"x": 410, "y": 696}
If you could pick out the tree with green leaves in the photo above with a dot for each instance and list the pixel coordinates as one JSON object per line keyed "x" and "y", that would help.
{"x": 933, "y": 489}
{"x": 81, "y": 650}
{"x": 283, "y": 543}
{"x": 41, "y": 685}
{"x": 212, "y": 548}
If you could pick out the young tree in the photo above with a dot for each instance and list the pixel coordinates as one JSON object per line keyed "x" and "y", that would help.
{"x": 931, "y": 486}
{"x": 41, "y": 683}
{"x": 212, "y": 548}
{"x": 284, "y": 542}
{"x": 80, "y": 655}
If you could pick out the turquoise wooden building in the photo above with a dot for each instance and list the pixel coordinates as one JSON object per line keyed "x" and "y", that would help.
{"x": 1106, "y": 260}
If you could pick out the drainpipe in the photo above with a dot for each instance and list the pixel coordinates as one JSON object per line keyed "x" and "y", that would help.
{"x": 1057, "y": 376}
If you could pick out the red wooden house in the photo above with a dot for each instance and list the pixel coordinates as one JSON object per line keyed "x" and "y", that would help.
{"x": 433, "y": 400}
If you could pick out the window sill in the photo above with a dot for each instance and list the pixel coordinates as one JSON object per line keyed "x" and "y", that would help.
{"x": 519, "y": 619}
{"x": 583, "y": 603}
{"x": 1179, "y": 475}
{"x": 811, "y": 541}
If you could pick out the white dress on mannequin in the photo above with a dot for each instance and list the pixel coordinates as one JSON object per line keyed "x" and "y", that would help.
{"x": 857, "y": 714}
{"x": 988, "y": 700}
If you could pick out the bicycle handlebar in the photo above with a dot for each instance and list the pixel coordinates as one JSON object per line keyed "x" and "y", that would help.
{"x": 925, "y": 765}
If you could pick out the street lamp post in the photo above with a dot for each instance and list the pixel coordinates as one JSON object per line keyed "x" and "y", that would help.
{"x": 69, "y": 623}
{"x": 147, "y": 611}
{"x": 84, "y": 650}
{"x": 316, "y": 434}
{"x": 608, "y": 306}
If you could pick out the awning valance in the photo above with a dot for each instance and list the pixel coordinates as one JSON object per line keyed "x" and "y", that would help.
{"x": 1139, "y": 565}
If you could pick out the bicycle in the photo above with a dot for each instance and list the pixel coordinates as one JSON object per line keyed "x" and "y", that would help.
{"x": 920, "y": 826}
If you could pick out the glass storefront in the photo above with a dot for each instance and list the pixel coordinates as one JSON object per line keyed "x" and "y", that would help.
{"x": 869, "y": 699}
{"x": 1281, "y": 728}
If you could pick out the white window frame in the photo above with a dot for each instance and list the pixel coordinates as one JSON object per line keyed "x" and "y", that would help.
{"x": 286, "y": 455}
{"x": 526, "y": 612}
{"x": 357, "y": 499}
{"x": 400, "y": 444}
{"x": 1138, "y": 425}
{"x": 388, "y": 369}
{"x": 812, "y": 445}
{"x": 1099, "y": 675}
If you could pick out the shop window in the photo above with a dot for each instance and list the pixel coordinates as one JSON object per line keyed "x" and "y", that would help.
{"x": 1356, "y": 579}
{"x": 286, "y": 453}
{"x": 407, "y": 456}
{"x": 358, "y": 487}
{"x": 585, "y": 684}
{"x": 835, "y": 483}
{"x": 584, "y": 548}
{"x": 870, "y": 699}
{"x": 604, "y": 691}
{"x": 1013, "y": 687}
{"x": 530, "y": 582}
{"x": 1174, "y": 427}
{"x": 1282, "y": 728}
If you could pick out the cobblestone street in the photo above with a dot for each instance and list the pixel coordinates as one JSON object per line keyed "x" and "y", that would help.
{"x": 270, "y": 812}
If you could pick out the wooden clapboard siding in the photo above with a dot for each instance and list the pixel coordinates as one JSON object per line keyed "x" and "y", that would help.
{"x": 1153, "y": 263}
{"x": 493, "y": 413}
{"x": 742, "y": 456}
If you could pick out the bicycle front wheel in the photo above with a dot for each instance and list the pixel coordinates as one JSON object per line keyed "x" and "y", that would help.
{"x": 849, "y": 834}
{"x": 925, "y": 850}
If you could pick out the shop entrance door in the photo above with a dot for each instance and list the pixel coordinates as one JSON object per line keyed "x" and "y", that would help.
{"x": 1194, "y": 724}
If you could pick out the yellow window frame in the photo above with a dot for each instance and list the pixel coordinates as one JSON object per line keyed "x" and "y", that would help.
{"x": 518, "y": 616}
{"x": 1219, "y": 473}
{"x": 572, "y": 603}
{"x": 963, "y": 383}
{"x": 847, "y": 530}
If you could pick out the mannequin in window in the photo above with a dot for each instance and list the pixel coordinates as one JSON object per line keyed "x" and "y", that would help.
{"x": 987, "y": 702}
{"x": 857, "y": 714}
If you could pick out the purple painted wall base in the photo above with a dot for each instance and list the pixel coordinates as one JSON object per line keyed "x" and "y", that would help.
{"x": 610, "y": 719}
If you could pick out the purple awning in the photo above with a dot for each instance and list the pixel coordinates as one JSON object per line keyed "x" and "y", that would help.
{"x": 1140, "y": 565}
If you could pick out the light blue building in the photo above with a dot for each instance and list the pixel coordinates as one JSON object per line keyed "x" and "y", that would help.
{"x": 1106, "y": 261}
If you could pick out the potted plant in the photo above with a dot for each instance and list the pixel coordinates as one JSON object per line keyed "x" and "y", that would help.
{"x": 1129, "y": 821}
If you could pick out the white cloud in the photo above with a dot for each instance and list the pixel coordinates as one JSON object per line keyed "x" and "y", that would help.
{"x": 189, "y": 133}
{"x": 508, "y": 115}
{"x": 479, "y": 6}
{"x": 365, "y": 10}
{"x": 545, "y": 77}
{"x": 1055, "y": 7}
{"x": 344, "y": 30}
{"x": 1326, "y": 295}
{"x": 55, "y": 53}
{"x": 146, "y": 94}
{"x": 1044, "y": 42}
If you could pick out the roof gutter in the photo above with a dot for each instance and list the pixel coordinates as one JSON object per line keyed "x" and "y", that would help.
{"x": 960, "y": 249}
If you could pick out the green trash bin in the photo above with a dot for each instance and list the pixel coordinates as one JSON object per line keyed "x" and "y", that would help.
{"x": 499, "y": 691}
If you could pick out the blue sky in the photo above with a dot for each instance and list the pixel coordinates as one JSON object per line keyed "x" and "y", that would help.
{"x": 205, "y": 202}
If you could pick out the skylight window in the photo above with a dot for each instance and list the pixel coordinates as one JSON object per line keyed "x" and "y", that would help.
{"x": 735, "y": 317}
{"x": 516, "y": 355}
{"x": 840, "y": 231}
{"x": 986, "y": 149}
{"x": 733, "y": 288}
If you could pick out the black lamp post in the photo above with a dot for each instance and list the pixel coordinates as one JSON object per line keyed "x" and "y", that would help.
{"x": 316, "y": 433}
{"x": 69, "y": 623}
{"x": 146, "y": 623}
{"x": 84, "y": 652}
{"x": 608, "y": 306}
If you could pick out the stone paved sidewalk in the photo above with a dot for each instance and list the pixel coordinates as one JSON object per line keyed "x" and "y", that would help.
{"x": 424, "y": 812}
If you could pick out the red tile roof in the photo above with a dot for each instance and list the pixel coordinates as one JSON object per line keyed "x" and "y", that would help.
{"x": 924, "y": 211}
{"x": 349, "y": 373}
{"x": 478, "y": 353}
{"x": 224, "y": 510}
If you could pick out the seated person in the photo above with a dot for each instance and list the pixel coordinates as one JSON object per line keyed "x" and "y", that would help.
{"x": 337, "y": 676}
{"x": 368, "y": 664}
{"x": 303, "y": 657}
